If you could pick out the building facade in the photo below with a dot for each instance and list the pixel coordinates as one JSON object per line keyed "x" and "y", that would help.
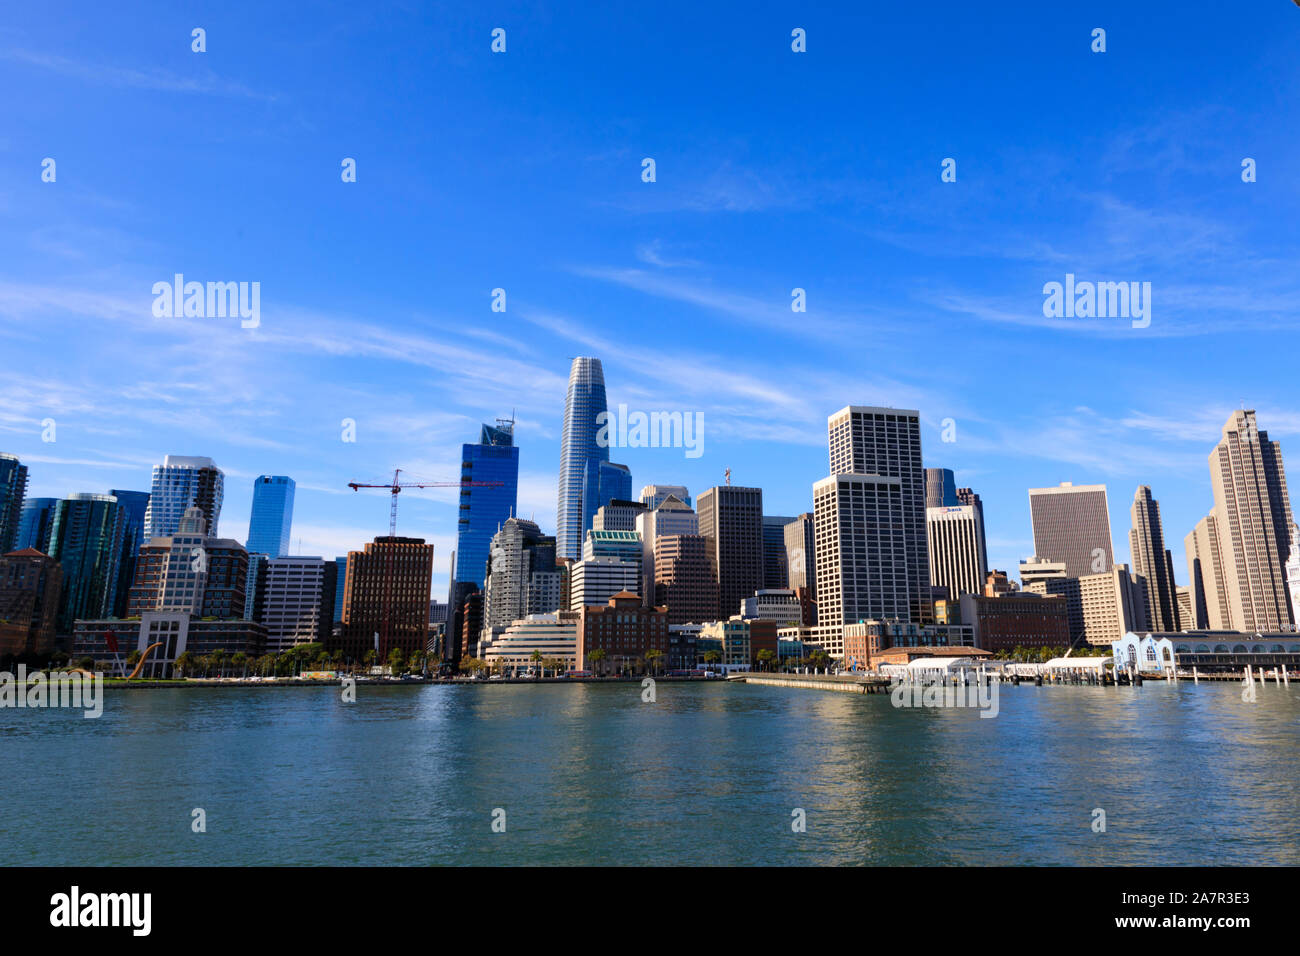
{"x": 179, "y": 483}
{"x": 1152, "y": 562}
{"x": 731, "y": 518}
{"x": 954, "y": 535}
{"x": 1072, "y": 524}
{"x": 386, "y": 598}
{"x": 484, "y": 510}
{"x": 271, "y": 518}
{"x": 13, "y": 492}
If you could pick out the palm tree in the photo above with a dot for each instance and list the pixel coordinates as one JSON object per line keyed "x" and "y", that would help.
{"x": 597, "y": 657}
{"x": 652, "y": 658}
{"x": 184, "y": 663}
{"x": 240, "y": 660}
{"x": 537, "y": 661}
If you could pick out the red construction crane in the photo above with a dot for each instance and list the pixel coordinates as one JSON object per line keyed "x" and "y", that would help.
{"x": 395, "y": 487}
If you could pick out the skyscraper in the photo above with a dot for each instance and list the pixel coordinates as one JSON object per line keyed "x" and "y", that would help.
{"x": 34, "y": 524}
{"x": 86, "y": 540}
{"x": 800, "y": 551}
{"x": 134, "y": 504}
{"x": 864, "y": 568}
{"x": 181, "y": 482}
{"x": 886, "y": 442}
{"x": 583, "y": 403}
{"x": 1071, "y": 524}
{"x": 297, "y": 601}
{"x": 522, "y": 576}
{"x": 484, "y": 510}
{"x": 1153, "y": 563}
{"x": 682, "y": 580}
{"x": 271, "y": 516}
{"x": 954, "y": 536}
{"x": 1207, "y": 577}
{"x": 776, "y": 568}
{"x": 13, "y": 489}
{"x": 670, "y": 515}
{"x": 605, "y": 482}
{"x": 386, "y": 598}
{"x": 731, "y": 518}
{"x": 940, "y": 488}
{"x": 1253, "y": 513}
{"x": 966, "y": 496}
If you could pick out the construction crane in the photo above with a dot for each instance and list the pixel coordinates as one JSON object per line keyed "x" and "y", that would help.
{"x": 395, "y": 487}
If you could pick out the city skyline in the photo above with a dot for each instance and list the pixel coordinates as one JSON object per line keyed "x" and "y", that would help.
{"x": 682, "y": 286}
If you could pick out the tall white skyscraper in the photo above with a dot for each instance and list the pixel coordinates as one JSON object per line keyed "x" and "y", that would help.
{"x": 954, "y": 537}
{"x": 181, "y": 482}
{"x": 886, "y": 442}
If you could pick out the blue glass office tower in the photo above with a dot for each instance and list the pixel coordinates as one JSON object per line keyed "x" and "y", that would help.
{"x": 340, "y": 579}
{"x": 272, "y": 516}
{"x": 86, "y": 539}
{"x": 135, "y": 504}
{"x": 13, "y": 489}
{"x": 484, "y": 510}
{"x": 583, "y": 403}
{"x": 34, "y": 524}
{"x": 605, "y": 481}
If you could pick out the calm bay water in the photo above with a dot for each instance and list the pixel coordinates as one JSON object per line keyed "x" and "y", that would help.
{"x": 709, "y": 774}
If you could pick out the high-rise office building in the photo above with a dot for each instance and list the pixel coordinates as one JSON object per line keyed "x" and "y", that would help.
{"x": 1050, "y": 579}
{"x": 297, "y": 601}
{"x": 862, "y": 543}
{"x": 1152, "y": 562}
{"x": 683, "y": 581}
{"x": 86, "y": 540}
{"x": 583, "y": 403}
{"x": 954, "y": 536}
{"x": 181, "y": 482}
{"x": 522, "y": 578}
{"x": 386, "y": 598}
{"x": 966, "y": 496}
{"x": 1293, "y": 571}
{"x": 1253, "y": 512}
{"x": 271, "y": 518}
{"x": 34, "y": 524}
{"x": 652, "y": 496}
{"x": 13, "y": 491}
{"x": 800, "y": 553}
{"x": 605, "y": 482}
{"x": 940, "y": 488}
{"x": 191, "y": 572}
{"x": 776, "y": 568}
{"x": 135, "y": 504}
{"x": 1207, "y": 577}
{"x": 670, "y": 515}
{"x": 1071, "y": 524}
{"x": 886, "y": 442}
{"x": 731, "y": 517}
{"x": 484, "y": 510}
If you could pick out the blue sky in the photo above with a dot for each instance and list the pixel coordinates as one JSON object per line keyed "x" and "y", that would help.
{"x": 522, "y": 170}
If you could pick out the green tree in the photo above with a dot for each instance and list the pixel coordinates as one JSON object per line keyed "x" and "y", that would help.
{"x": 765, "y": 658}
{"x": 597, "y": 657}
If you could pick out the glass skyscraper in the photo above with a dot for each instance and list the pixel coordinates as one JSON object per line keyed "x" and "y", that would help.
{"x": 34, "y": 525}
{"x": 180, "y": 482}
{"x": 135, "y": 504}
{"x": 272, "y": 516}
{"x": 585, "y": 400}
{"x": 13, "y": 488}
{"x": 86, "y": 540}
{"x": 605, "y": 481}
{"x": 484, "y": 510}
